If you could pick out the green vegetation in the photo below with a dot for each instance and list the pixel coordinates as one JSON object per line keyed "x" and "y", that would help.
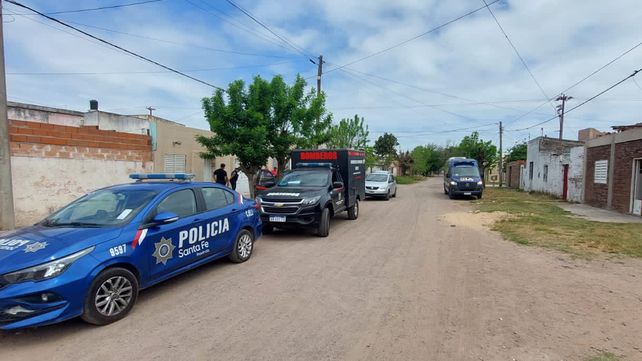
{"x": 518, "y": 152}
{"x": 404, "y": 179}
{"x": 604, "y": 356}
{"x": 535, "y": 219}
{"x": 349, "y": 133}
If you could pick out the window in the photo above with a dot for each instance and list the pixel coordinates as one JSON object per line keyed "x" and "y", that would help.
{"x": 174, "y": 163}
{"x": 601, "y": 171}
{"x": 530, "y": 170}
{"x": 545, "y": 172}
{"x": 182, "y": 203}
{"x": 216, "y": 198}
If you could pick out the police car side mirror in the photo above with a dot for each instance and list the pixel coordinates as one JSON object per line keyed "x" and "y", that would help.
{"x": 165, "y": 218}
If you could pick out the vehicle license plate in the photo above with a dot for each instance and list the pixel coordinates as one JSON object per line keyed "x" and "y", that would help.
{"x": 466, "y": 194}
{"x": 277, "y": 218}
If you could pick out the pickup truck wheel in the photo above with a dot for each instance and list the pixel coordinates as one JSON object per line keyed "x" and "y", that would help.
{"x": 324, "y": 223}
{"x": 353, "y": 212}
{"x": 479, "y": 196}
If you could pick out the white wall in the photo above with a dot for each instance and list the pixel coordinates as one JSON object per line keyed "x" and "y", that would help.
{"x": 43, "y": 185}
{"x": 555, "y": 160}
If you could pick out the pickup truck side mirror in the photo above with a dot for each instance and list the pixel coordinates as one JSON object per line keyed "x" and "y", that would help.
{"x": 337, "y": 185}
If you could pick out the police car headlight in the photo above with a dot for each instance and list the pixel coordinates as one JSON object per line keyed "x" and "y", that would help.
{"x": 453, "y": 183}
{"x": 45, "y": 270}
{"x": 480, "y": 183}
{"x": 310, "y": 201}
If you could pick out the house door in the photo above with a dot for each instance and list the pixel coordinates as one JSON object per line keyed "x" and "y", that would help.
{"x": 637, "y": 188}
{"x": 565, "y": 189}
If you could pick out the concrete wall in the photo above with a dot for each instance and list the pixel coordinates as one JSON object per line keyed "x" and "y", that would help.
{"x": 116, "y": 122}
{"x": 43, "y": 185}
{"x": 40, "y": 114}
{"x": 54, "y": 164}
{"x": 596, "y": 194}
{"x": 549, "y": 157}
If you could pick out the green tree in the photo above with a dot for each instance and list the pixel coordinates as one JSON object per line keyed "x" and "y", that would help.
{"x": 483, "y": 151}
{"x": 298, "y": 119}
{"x": 517, "y": 152}
{"x": 428, "y": 159}
{"x": 405, "y": 162}
{"x": 384, "y": 148}
{"x": 239, "y": 121}
{"x": 349, "y": 133}
{"x": 371, "y": 157}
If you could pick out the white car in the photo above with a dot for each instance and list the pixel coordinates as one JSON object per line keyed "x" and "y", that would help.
{"x": 381, "y": 184}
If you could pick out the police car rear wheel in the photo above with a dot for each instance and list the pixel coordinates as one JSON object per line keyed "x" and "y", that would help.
{"x": 242, "y": 247}
{"x": 111, "y": 296}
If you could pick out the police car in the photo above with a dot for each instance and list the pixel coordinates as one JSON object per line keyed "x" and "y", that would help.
{"x": 91, "y": 258}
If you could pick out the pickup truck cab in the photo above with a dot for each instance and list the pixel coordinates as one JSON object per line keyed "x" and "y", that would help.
{"x": 321, "y": 185}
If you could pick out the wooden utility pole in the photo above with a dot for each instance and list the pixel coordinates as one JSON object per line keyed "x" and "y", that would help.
{"x": 501, "y": 154}
{"x": 7, "y": 216}
{"x": 319, "y": 73}
{"x": 560, "y": 111}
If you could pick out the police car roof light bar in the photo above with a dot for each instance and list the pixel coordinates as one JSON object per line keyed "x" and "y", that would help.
{"x": 158, "y": 176}
{"x": 314, "y": 164}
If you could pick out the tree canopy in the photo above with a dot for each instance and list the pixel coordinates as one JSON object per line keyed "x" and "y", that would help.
{"x": 349, "y": 133}
{"x": 471, "y": 146}
{"x": 517, "y": 152}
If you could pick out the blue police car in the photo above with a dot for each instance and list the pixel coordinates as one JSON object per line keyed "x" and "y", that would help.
{"x": 91, "y": 258}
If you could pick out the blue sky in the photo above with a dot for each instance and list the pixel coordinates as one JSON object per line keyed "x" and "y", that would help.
{"x": 420, "y": 91}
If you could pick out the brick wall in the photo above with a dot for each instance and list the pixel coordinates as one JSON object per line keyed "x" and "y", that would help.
{"x": 32, "y": 139}
{"x": 625, "y": 153}
{"x": 596, "y": 194}
{"x": 513, "y": 173}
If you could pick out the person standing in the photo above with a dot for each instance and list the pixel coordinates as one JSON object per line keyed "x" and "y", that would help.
{"x": 234, "y": 177}
{"x": 220, "y": 175}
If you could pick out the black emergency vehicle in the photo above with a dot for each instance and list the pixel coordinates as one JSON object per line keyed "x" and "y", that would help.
{"x": 322, "y": 183}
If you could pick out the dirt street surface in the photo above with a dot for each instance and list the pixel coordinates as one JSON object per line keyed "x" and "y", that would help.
{"x": 412, "y": 279}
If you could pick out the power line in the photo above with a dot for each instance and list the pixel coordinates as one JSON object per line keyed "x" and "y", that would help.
{"x": 233, "y": 23}
{"x": 178, "y": 43}
{"x": 282, "y": 38}
{"x": 518, "y": 54}
{"x": 580, "y": 81}
{"x": 582, "y": 103}
{"x": 410, "y": 39}
{"x": 99, "y": 8}
{"x": 116, "y": 46}
{"x": 147, "y": 72}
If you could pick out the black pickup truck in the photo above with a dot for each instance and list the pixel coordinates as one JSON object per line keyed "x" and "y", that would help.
{"x": 322, "y": 183}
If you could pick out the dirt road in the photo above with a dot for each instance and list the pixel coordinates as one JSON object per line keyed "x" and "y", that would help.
{"x": 412, "y": 279}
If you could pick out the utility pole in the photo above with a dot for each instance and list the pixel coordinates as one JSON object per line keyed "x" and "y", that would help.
{"x": 560, "y": 111}
{"x": 319, "y": 73}
{"x": 501, "y": 154}
{"x": 7, "y": 216}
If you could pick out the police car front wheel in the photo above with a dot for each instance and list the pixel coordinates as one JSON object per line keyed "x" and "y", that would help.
{"x": 242, "y": 247}
{"x": 111, "y": 296}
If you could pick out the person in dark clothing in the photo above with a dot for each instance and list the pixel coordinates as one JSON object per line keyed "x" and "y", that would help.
{"x": 234, "y": 177}
{"x": 220, "y": 175}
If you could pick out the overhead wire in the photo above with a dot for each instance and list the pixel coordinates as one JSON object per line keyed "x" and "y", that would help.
{"x": 142, "y": 57}
{"x": 582, "y": 103}
{"x": 510, "y": 42}
{"x": 98, "y": 8}
{"x": 379, "y": 52}
{"x": 263, "y": 25}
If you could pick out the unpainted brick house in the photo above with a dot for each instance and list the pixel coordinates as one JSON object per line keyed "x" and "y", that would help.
{"x": 555, "y": 167}
{"x": 614, "y": 170}
{"x": 513, "y": 174}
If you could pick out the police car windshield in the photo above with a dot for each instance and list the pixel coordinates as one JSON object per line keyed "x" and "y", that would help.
{"x": 377, "y": 177}
{"x": 308, "y": 178}
{"x": 465, "y": 171}
{"x": 105, "y": 207}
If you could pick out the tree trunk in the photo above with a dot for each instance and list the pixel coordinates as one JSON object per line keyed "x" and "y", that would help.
{"x": 281, "y": 161}
{"x": 251, "y": 180}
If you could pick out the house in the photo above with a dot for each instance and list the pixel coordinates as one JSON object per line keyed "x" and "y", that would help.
{"x": 555, "y": 167}
{"x": 513, "y": 173}
{"x": 614, "y": 170}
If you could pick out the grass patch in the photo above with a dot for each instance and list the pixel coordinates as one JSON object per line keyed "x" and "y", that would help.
{"x": 537, "y": 220}
{"x": 604, "y": 356}
{"x": 404, "y": 179}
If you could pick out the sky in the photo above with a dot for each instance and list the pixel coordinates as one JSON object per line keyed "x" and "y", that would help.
{"x": 429, "y": 87}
